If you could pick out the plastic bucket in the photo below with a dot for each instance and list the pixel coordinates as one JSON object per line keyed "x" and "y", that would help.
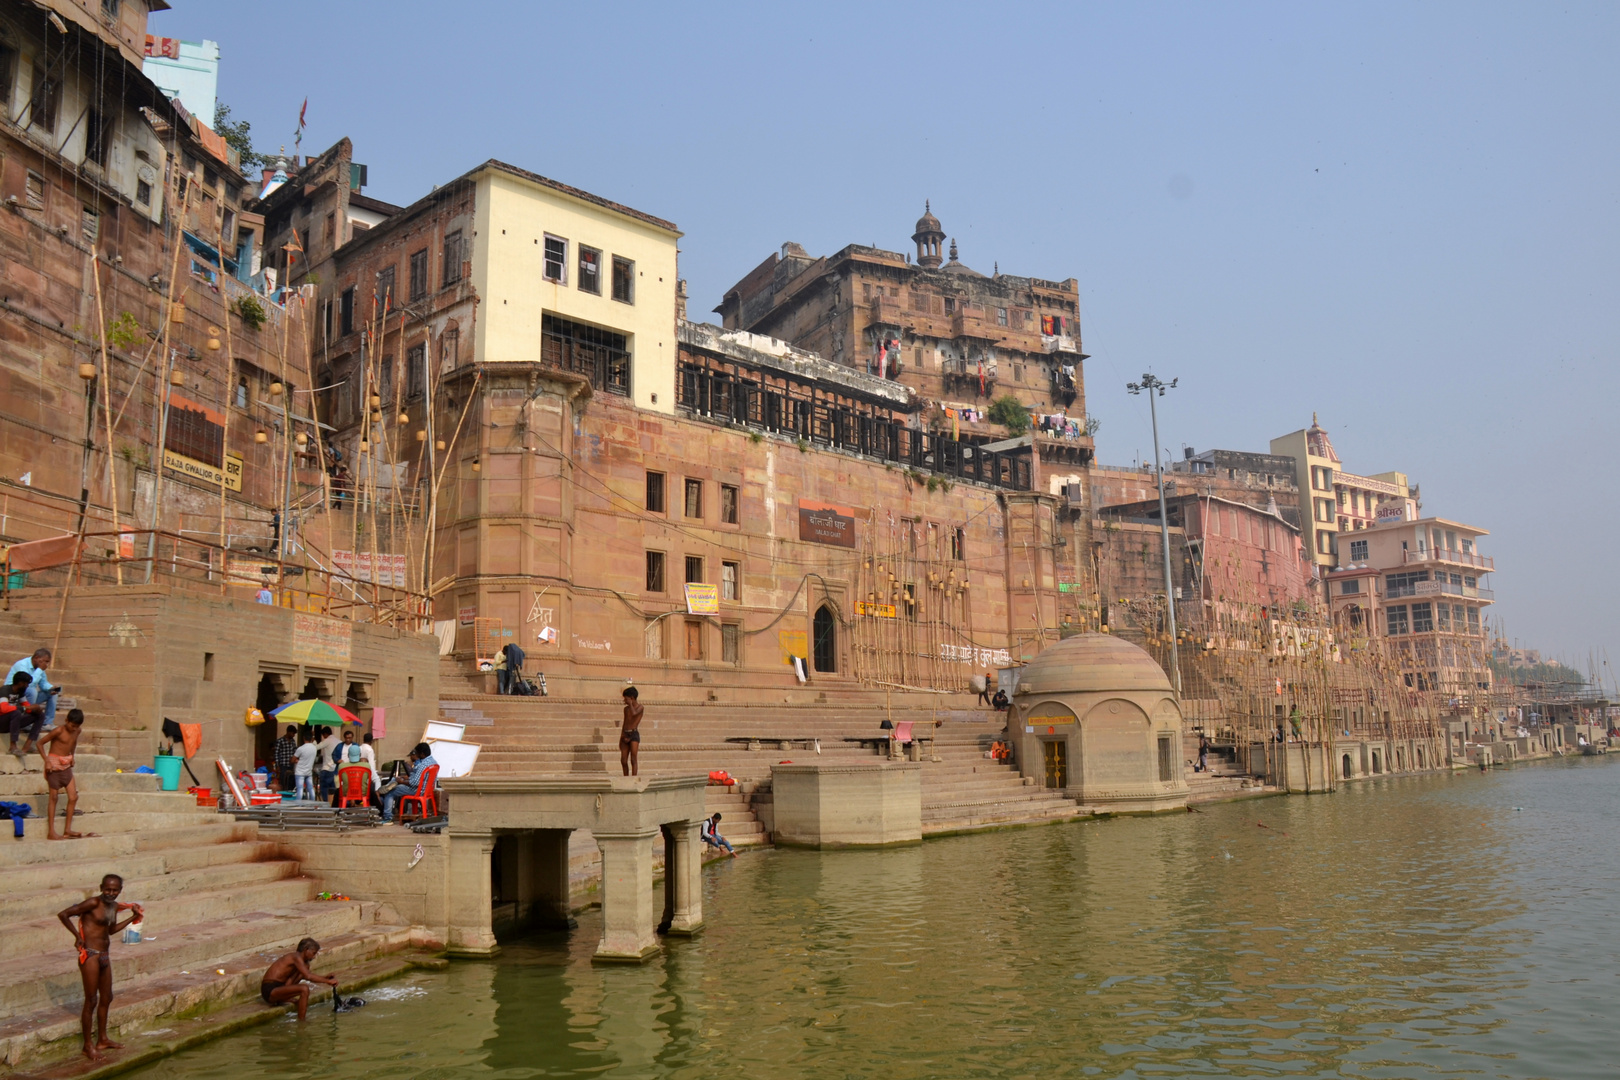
{"x": 167, "y": 767}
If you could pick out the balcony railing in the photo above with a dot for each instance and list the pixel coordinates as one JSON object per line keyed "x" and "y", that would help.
{"x": 1446, "y": 555}
{"x": 1437, "y": 588}
{"x": 1059, "y": 343}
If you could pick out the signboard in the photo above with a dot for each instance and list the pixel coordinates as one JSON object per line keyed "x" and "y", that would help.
{"x": 1049, "y": 715}
{"x": 390, "y": 569}
{"x": 794, "y": 643}
{"x": 702, "y": 599}
{"x": 199, "y": 470}
{"x": 166, "y": 47}
{"x": 880, "y": 611}
{"x": 822, "y": 523}
{"x": 321, "y": 641}
{"x": 466, "y": 615}
{"x": 1397, "y": 510}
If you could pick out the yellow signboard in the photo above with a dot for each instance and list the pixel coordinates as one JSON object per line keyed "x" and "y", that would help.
{"x": 794, "y": 643}
{"x": 1049, "y": 714}
{"x": 702, "y": 599}
{"x": 198, "y": 470}
{"x": 881, "y": 611}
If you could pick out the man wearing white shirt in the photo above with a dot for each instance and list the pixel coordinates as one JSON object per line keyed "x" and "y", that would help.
{"x": 304, "y": 767}
{"x": 327, "y": 764}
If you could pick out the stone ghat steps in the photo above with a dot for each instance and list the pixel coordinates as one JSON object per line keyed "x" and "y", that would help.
{"x": 104, "y": 826}
{"x": 122, "y": 836}
{"x": 112, "y": 802}
{"x": 83, "y": 874}
{"x": 739, "y": 718}
{"x": 185, "y": 890}
{"x": 942, "y": 821}
{"x": 738, "y": 823}
{"x": 350, "y": 942}
{"x": 1207, "y": 787}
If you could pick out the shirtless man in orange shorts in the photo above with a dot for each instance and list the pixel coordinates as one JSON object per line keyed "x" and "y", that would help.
{"x": 98, "y": 923}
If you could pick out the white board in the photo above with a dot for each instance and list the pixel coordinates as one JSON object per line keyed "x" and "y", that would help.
{"x": 443, "y": 729}
{"x": 454, "y": 758}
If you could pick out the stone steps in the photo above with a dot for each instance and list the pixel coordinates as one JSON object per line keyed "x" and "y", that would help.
{"x": 122, "y": 837}
{"x": 222, "y": 979}
{"x": 76, "y": 873}
{"x": 184, "y": 890}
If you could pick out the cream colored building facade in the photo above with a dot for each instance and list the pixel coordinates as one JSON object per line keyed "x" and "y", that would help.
{"x": 1424, "y": 587}
{"x": 559, "y": 268}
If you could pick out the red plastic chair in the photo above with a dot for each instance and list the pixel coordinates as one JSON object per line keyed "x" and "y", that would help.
{"x": 354, "y": 786}
{"x": 424, "y": 796}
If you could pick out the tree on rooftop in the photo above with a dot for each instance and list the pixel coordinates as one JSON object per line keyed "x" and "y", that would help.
{"x": 1007, "y": 412}
{"x": 237, "y": 136}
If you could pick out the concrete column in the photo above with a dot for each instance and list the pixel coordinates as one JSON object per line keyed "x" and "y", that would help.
{"x": 683, "y": 863}
{"x": 627, "y": 897}
{"x": 471, "y": 897}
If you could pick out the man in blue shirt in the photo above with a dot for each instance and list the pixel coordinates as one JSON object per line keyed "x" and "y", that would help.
{"x": 421, "y": 761}
{"x": 40, "y": 690}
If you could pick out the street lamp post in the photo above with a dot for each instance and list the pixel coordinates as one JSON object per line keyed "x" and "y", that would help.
{"x": 1152, "y": 384}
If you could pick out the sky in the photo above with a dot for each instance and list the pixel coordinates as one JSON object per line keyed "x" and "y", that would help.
{"x": 1400, "y": 217}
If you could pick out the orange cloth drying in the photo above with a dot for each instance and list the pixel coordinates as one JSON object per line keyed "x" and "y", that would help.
{"x": 191, "y": 736}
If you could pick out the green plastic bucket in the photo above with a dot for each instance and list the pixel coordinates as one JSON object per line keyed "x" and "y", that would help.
{"x": 168, "y": 770}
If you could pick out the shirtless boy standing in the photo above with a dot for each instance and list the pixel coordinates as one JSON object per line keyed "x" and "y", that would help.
{"x": 56, "y": 747}
{"x": 630, "y": 733}
{"x": 98, "y": 923}
{"x": 287, "y": 980}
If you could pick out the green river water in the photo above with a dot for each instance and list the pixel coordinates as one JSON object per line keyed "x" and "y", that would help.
{"x": 1439, "y": 926}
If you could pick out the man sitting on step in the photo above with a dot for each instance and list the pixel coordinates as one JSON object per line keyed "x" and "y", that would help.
{"x": 287, "y": 980}
{"x": 710, "y": 832}
{"x": 21, "y": 714}
{"x": 40, "y": 690}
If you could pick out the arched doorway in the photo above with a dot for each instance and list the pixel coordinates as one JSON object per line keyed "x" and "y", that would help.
{"x": 1348, "y": 771}
{"x": 824, "y": 651}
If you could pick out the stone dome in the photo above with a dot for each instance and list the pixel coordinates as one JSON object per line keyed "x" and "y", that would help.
{"x": 928, "y": 224}
{"x": 1092, "y": 663}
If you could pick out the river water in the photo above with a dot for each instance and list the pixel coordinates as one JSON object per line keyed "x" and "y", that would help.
{"x": 1438, "y": 926}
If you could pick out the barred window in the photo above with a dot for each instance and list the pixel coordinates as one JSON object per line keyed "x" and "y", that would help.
{"x": 600, "y": 355}
{"x": 452, "y": 257}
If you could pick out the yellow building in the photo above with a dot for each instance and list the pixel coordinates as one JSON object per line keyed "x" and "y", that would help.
{"x": 1332, "y": 501}
{"x": 569, "y": 276}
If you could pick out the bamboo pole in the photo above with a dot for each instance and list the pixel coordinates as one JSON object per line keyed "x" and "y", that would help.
{"x": 161, "y": 427}
{"x": 106, "y": 405}
{"x": 320, "y": 449}
{"x": 225, "y": 434}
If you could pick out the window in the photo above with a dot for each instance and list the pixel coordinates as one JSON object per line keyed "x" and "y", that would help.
{"x": 694, "y": 569}
{"x": 143, "y": 193}
{"x": 1324, "y": 543}
{"x": 1467, "y": 582}
{"x": 655, "y": 639}
{"x": 728, "y": 580}
{"x": 950, "y": 304}
{"x": 556, "y": 260}
{"x": 1422, "y": 618}
{"x": 655, "y": 492}
{"x": 590, "y": 269}
{"x": 110, "y": 9}
{"x": 600, "y": 355}
{"x": 35, "y": 191}
{"x": 624, "y": 280}
{"x": 824, "y": 647}
{"x": 909, "y": 601}
{"x": 450, "y": 349}
{"x": 730, "y": 636}
{"x": 1358, "y": 551}
{"x": 452, "y": 257}
{"x": 89, "y": 224}
{"x": 1442, "y": 616}
{"x": 959, "y": 544}
{"x": 1404, "y": 584}
{"x": 1351, "y": 587}
{"x": 346, "y": 312}
{"x": 1456, "y": 579}
{"x": 330, "y": 234}
{"x": 694, "y": 498}
{"x": 1468, "y": 547}
{"x": 1001, "y": 316}
{"x": 728, "y": 504}
{"x": 95, "y": 137}
{"x": 386, "y": 293}
{"x": 415, "y": 369}
{"x": 242, "y": 393}
{"x": 1165, "y": 759}
{"x": 419, "y": 274}
{"x": 46, "y": 100}
{"x": 1473, "y": 620}
{"x": 1395, "y": 617}
{"x": 655, "y": 571}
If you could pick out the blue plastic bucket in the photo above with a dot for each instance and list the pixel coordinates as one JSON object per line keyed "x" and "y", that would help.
{"x": 168, "y": 770}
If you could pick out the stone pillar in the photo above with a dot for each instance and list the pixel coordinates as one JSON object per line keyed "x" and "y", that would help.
{"x": 683, "y": 865}
{"x": 471, "y": 898}
{"x": 627, "y": 897}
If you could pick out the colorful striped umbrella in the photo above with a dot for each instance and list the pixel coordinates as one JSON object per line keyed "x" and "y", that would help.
{"x": 314, "y": 711}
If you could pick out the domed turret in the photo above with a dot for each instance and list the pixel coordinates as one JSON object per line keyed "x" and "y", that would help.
{"x": 928, "y": 237}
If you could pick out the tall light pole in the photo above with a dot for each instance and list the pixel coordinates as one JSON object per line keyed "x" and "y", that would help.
{"x": 1152, "y": 383}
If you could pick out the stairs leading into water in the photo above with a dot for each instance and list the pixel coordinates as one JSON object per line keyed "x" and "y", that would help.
{"x": 220, "y": 904}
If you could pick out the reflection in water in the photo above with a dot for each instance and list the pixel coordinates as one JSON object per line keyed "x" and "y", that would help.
{"x": 1415, "y": 927}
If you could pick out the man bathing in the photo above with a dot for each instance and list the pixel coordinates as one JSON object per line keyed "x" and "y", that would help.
{"x": 56, "y": 746}
{"x": 287, "y": 980}
{"x": 630, "y": 733}
{"x": 98, "y": 923}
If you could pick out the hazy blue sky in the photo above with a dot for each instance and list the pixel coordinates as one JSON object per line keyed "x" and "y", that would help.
{"x": 1403, "y": 216}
